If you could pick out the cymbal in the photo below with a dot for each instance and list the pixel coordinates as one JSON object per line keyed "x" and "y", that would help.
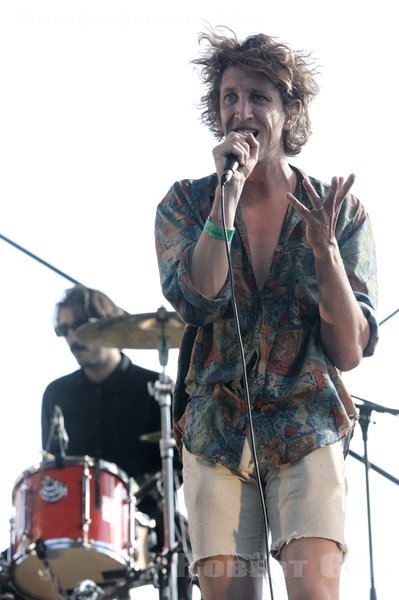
{"x": 152, "y": 437}
{"x": 133, "y": 331}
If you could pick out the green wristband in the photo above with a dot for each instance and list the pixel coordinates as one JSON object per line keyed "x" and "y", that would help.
{"x": 217, "y": 232}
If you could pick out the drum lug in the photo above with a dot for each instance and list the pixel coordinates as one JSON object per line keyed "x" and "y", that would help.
{"x": 25, "y": 489}
{"x": 86, "y": 520}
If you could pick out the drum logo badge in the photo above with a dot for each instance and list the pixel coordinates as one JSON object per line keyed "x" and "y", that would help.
{"x": 53, "y": 490}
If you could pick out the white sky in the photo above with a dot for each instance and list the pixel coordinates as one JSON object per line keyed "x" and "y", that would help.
{"x": 98, "y": 118}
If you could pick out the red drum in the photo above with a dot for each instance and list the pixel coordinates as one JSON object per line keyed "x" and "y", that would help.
{"x": 73, "y": 522}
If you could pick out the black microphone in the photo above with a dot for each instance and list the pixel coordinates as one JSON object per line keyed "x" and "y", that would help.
{"x": 231, "y": 167}
{"x": 62, "y": 438}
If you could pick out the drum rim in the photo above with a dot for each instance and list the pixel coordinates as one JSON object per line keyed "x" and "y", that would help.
{"x": 66, "y": 543}
{"x": 72, "y": 461}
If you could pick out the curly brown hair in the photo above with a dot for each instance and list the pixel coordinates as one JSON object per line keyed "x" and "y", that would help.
{"x": 290, "y": 71}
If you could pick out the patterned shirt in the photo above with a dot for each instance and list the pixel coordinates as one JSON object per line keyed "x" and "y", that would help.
{"x": 297, "y": 397}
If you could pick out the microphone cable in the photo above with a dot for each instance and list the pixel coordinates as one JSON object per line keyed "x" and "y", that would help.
{"x": 246, "y": 389}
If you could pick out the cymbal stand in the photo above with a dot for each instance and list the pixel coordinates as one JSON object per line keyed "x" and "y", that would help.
{"x": 162, "y": 391}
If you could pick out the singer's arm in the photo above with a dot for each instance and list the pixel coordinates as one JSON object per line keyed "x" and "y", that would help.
{"x": 344, "y": 328}
{"x": 209, "y": 266}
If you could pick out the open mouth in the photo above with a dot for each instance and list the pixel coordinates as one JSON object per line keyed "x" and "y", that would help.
{"x": 246, "y": 131}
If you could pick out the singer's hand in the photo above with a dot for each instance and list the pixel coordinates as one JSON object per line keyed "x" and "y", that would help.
{"x": 322, "y": 219}
{"x": 244, "y": 146}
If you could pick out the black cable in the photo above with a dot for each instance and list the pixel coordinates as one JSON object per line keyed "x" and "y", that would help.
{"x": 247, "y": 395}
{"x": 43, "y": 262}
{"x": 389, "y": 317}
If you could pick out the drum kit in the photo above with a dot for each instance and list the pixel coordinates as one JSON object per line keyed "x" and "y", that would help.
{"x": 76, "y": 531}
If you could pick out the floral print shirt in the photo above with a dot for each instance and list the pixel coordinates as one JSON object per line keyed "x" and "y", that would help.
{"x": 297, "y": 397}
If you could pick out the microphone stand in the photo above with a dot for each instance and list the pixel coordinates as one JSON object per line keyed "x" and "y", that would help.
{"x": 162, "y": 391}
{"x": 364, "y": 420}
{"x": 63, "y": 440}
{"x": 365, "y": 410}
{"x": 56, "y": 426}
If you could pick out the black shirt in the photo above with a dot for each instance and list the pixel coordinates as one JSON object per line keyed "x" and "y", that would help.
{"x": 105, "y": 420}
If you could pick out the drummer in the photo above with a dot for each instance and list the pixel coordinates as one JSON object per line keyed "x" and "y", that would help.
{"x": 106, "y": 405}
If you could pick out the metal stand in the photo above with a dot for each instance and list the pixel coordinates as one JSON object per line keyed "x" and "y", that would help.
{"x": 162, "y": 391}
{"x": 364, "y": 420}
{"x": 365, "y": 410}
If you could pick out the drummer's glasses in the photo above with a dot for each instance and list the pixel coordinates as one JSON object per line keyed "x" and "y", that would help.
{"x": 63, "y": 330}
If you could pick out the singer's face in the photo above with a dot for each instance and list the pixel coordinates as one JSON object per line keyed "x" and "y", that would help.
{"x": 252, "y": 102}
{"x": 86, "y": 355}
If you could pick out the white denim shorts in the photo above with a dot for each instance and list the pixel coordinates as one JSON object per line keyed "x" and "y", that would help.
{"x": 303, "y": 499}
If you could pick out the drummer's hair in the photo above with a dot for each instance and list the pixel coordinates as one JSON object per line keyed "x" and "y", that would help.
{"x": 88, "y": 303}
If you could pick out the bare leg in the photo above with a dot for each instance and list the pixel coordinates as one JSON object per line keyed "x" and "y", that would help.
{"x": 312, "y": 568}
{"x": 229, "y": 578}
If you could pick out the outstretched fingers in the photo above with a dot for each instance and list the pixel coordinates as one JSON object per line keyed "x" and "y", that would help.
{"x": 345, "y": 187}
{"x": 314, "y": 197}
{"x": 297, "y": 205}
{"x": 336, "y": 194}
{"x": 321, "y": 219}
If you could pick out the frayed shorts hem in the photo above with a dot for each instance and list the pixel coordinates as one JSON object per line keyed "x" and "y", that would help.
{"x": 279, "y": 544}
{"x": 258, "y": 561}
{"x": 254, "y": 560}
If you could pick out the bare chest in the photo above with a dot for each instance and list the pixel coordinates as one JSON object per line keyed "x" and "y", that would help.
{"x": 264, "y": 225}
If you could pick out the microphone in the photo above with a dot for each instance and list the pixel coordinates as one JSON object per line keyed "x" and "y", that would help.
{"x": 59, "y": 424}
{"x": 231, "y": 167}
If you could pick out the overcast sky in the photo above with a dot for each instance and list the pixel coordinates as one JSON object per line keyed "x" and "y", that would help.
{"x": 99, "y": 117}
